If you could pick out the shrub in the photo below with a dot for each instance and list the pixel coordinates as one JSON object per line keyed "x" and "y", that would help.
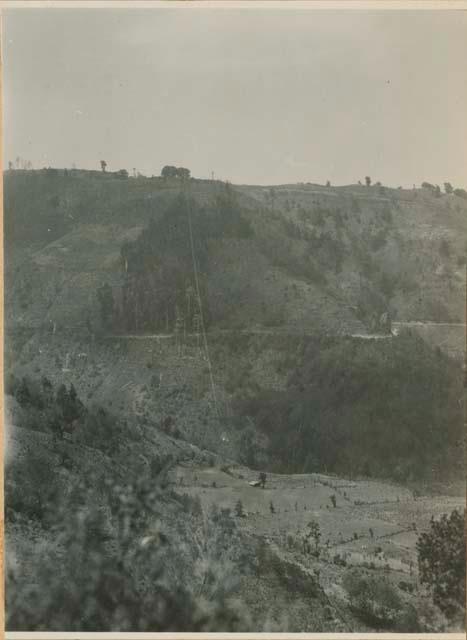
{"x": 373, "y": 599}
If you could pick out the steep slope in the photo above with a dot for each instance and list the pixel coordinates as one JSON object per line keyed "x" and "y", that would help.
{"x": 324, "y": 258}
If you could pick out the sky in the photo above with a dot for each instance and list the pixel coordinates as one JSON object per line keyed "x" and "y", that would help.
{"x": 258, "y": 96}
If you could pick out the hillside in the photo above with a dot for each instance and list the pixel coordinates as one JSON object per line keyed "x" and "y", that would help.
{"x": 168, "y": 341}
{"x": 315, "y": 258}
{"x": 304, "y": 541}
{"x": 194, "y": 302}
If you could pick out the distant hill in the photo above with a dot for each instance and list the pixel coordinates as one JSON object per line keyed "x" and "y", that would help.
{"x": 327, "y": 259}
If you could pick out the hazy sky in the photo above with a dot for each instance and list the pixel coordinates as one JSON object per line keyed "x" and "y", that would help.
{"x": 256, "y": 95}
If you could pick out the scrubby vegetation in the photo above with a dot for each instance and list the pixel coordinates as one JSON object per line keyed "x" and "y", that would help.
{"x": 378, "y": 603}
{"x": 118, "y": 544}
{"x": 332, "y": 254}
{"x": 61, "y": 412}
{"x": 441, "y": 559}
{"x": 141, "y": 492}
{"x": 111, "y": 564}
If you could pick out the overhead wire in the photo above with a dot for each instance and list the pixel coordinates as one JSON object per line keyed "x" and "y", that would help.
{"x": 198, "y": 295}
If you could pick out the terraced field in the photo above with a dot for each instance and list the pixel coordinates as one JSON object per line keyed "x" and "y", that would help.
{"x": 373, "y": 525}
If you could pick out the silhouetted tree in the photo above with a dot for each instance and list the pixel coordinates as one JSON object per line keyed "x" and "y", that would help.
{"x": 183, "y": 173}
{"x": 448, "y": 187}
{"x": 169, "y": 172}
{"x": 367, "y": 181}
{"x": 103, "y": 166}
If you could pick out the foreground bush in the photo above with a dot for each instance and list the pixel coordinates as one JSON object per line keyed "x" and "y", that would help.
{"x": 441, "y": 561}
{"x": 110, "y": 561}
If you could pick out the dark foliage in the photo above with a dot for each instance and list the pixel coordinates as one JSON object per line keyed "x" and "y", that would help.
{"x": 345, "y": 401}
{"x": 159, "y": 291}
{"x": 441, "y": 561}
{"x": 63, "y": 412}
{"x": 175, "y": 172}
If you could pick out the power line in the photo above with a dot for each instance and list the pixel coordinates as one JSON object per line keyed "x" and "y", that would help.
{"x": 203, "y": 329}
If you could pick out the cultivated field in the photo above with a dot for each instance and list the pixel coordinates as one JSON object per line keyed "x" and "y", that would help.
{"x": 374, "y": 525}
